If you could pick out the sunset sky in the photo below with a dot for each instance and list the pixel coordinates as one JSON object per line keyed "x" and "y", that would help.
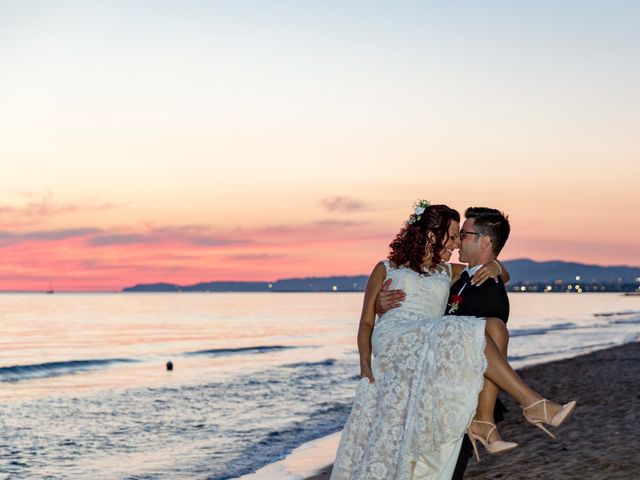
{"x": 254, "y": 140}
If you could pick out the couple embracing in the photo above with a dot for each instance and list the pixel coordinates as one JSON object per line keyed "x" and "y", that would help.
{"x": 439, "y": 353}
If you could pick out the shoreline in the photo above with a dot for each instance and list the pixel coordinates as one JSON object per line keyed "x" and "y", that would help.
{"x": 599, "y": 441}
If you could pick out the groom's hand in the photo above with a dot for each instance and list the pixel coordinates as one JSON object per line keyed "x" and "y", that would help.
{"x": 388, "y": 299}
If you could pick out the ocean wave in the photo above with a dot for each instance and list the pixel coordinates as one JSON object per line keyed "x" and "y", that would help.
{"x": 274, "y": 445}
{"x": 523, "y": 332}
{"x": 323, "y": 363}
{"x": 221, "y": 352}
{"x": 614, "y": 320}
{"x": 616, "y": 314}
{"x": 586, "y": 348}
{"x": 629, "y": 321}
{"x": 17, "y": 373}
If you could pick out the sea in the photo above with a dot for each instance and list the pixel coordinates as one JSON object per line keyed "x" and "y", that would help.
{"x": 85, "y": 391}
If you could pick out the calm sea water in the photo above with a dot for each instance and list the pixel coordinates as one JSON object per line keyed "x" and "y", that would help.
{"x": 84, "y": 392}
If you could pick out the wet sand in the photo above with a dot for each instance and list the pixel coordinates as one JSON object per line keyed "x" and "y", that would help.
{"x": 601, "y": 440}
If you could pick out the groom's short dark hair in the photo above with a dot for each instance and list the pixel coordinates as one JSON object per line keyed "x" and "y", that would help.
{"x": 493, "y": 223}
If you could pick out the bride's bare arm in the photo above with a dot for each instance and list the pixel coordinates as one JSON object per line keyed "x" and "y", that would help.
{"x": 492, "y": 269}
{"x": 368, "y": 319}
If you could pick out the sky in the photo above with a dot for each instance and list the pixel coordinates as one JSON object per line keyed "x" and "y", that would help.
{"x": 192, "y": 141}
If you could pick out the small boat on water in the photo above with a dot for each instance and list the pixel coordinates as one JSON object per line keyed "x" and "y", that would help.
{"x": 51, "y": 290}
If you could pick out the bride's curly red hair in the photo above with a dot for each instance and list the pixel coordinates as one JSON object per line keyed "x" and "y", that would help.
{"x": 408, "y": 248}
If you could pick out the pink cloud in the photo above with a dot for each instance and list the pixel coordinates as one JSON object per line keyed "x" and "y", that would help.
{"x": 329, "y": 230}
{"x": 10, "y": 238}
{"x": 619, "y": 251}
{"x": 89, "y": 258}
{"x": 41, "y": 206}
{"x": 189, "y": 234}
{"x": 342, "y": 204}
{"x": 256, "y": 257}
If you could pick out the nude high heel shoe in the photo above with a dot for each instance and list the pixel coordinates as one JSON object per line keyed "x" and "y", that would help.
{"x": 557, "y": 420}
{"x": 494, "y": 448}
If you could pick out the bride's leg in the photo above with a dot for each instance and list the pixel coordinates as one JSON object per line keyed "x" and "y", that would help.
{"x": 498, "y": 332}
{"x": 504, "y": 376}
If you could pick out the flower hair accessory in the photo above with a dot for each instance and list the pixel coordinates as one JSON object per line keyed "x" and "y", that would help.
{"x": 419, "y": 207}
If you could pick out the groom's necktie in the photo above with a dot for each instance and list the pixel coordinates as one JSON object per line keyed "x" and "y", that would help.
{"x": 464, "y": 276}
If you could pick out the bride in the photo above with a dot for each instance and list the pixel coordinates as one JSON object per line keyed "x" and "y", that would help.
{"x": 419, "y": 394}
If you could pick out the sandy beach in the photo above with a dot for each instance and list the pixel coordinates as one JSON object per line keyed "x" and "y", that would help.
{"x": 599, "y": 442}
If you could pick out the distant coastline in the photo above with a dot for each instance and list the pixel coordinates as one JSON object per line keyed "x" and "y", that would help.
{"x": 526, "y": 276}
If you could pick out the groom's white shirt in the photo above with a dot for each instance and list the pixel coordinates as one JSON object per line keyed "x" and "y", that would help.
{"x": 472, "y": 271}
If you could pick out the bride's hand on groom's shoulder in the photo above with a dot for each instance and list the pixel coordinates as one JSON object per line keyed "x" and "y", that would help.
{"x": 488, "y": 271}
{"x": 388, "y": 299}
{"x": 365, "y": 372}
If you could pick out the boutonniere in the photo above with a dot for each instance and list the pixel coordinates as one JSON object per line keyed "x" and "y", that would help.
{"x": 454, "y": 304}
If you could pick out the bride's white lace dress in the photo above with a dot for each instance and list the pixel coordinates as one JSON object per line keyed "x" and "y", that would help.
{"x": 429, "y": 371}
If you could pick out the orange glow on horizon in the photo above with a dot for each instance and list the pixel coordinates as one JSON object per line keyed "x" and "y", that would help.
{"x": 99, "y": 261}
{"x": 150, "y": 143}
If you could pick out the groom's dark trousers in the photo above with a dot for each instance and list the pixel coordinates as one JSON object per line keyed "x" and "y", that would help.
{"x": 488, "y": 300}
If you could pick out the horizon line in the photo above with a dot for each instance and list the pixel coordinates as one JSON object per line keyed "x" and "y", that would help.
{"x": 121, "y": 289}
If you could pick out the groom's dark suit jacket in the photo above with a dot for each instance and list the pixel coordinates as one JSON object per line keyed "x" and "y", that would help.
{"x": 488, "y": 300}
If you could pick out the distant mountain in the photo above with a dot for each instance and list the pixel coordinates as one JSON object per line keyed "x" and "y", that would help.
{"x": 153, "y": 287}
{"x": 322, "y": 284}
{"x": 522, "y": 271}
{"x": 308, "y": 284}
{"x": 525, "y": 270}
{"x": 202, "y": 287}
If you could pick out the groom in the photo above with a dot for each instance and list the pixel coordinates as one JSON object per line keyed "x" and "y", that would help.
{"x": 482, "y": 236}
